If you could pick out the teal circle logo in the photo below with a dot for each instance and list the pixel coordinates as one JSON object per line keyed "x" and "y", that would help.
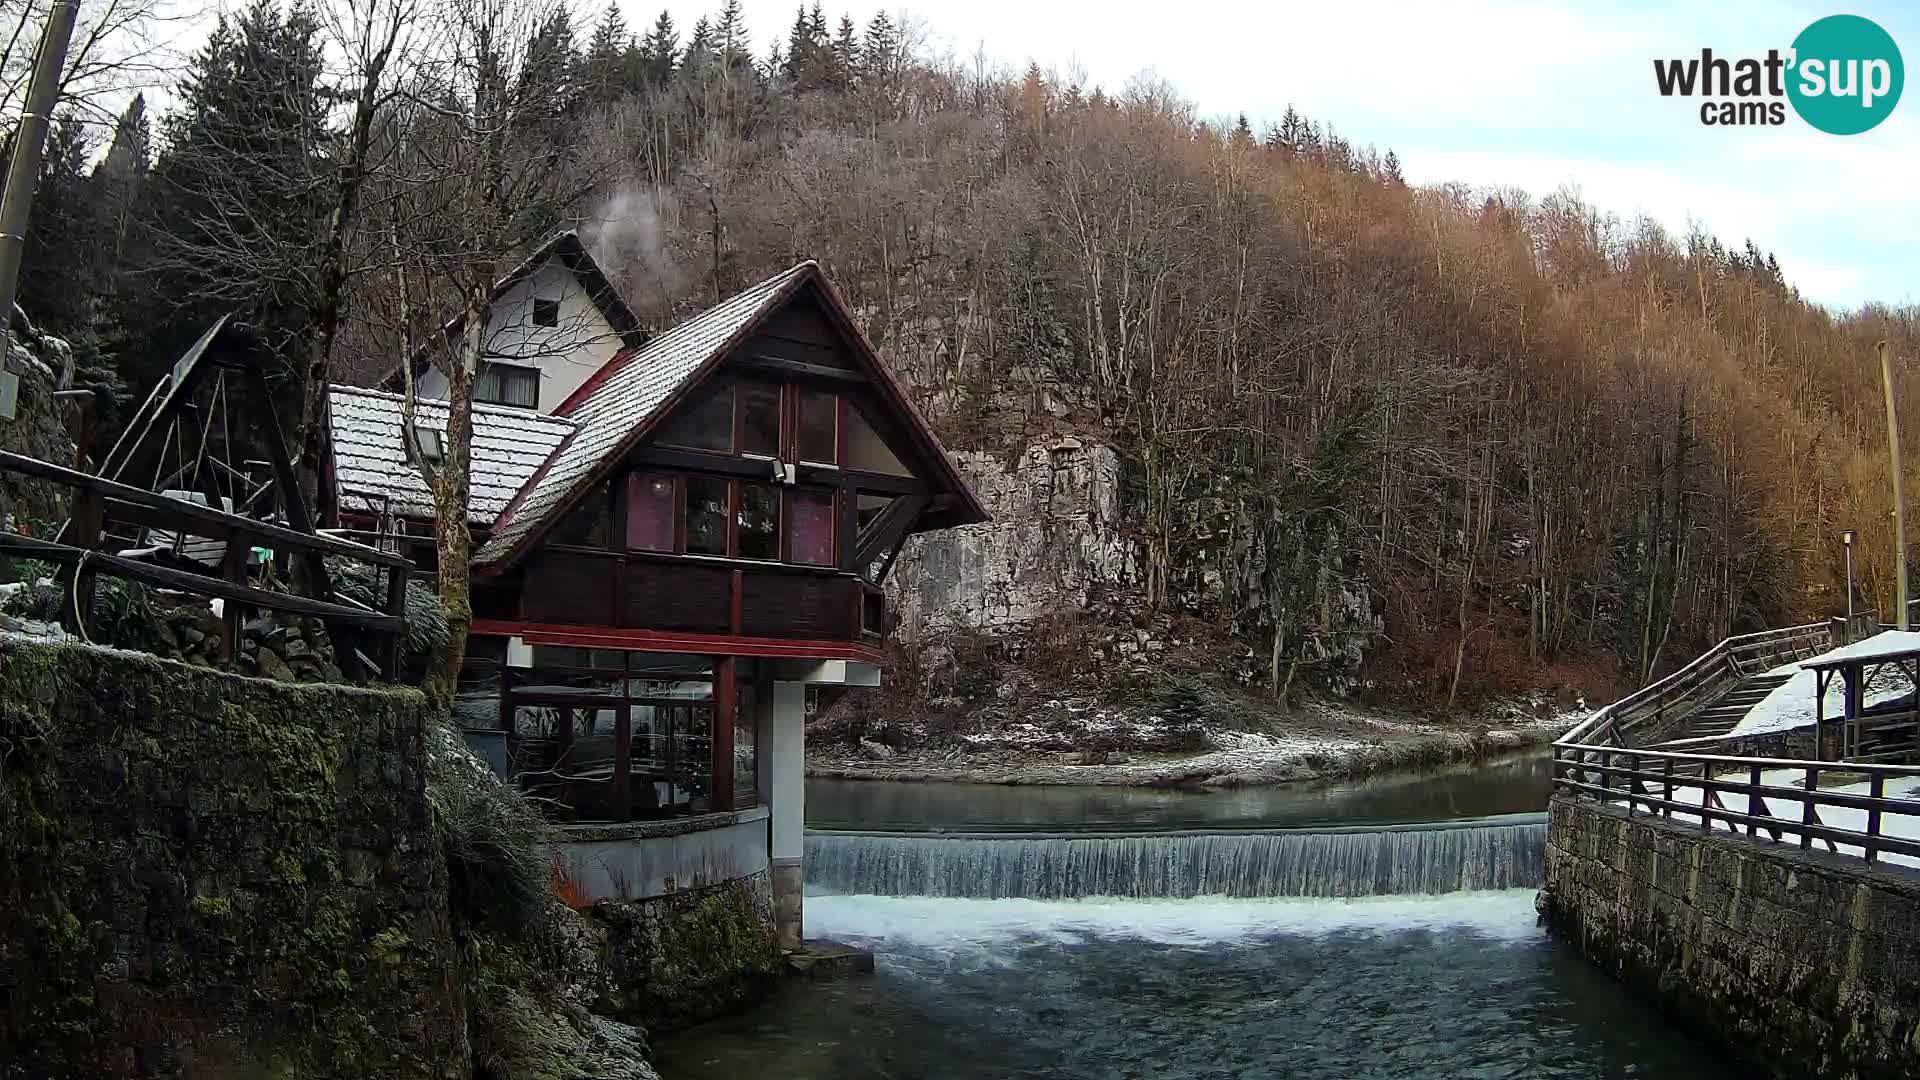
{"x": 1847, "y": 75}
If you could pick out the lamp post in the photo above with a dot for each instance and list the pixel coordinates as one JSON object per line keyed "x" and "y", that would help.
{"x": 1846, "y": 538}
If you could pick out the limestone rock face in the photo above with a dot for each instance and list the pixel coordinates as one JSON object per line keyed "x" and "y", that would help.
{"x": 1056, "y": 544}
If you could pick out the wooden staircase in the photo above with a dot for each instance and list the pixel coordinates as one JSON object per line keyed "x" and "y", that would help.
{"x": 1725, "y": 713}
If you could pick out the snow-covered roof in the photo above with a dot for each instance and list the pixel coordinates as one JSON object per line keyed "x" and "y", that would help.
{"x": 371, "y": 462}
{"x": 1883, "y": 644}
{"x": 613, "y": 414}
{"x": 1791, "y": 703}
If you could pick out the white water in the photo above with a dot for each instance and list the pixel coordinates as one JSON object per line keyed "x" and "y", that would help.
{"x": 966, "y": 926}
{"x": 1376, "y": 862}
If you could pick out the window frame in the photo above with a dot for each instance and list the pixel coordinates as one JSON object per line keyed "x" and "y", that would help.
{"x": 543, "y": 305}
{"x": 495, "y": 367}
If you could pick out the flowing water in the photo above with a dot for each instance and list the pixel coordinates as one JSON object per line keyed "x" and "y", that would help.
{"x": 1141, "y": 938}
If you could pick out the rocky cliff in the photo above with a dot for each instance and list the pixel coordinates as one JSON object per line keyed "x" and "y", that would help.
{"x": 1057, "y": 545}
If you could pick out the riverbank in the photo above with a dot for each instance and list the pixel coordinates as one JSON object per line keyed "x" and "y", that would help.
{"x": 1318, "y": 741}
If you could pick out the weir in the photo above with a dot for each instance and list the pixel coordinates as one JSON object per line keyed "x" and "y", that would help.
{"x": 1504, "y": 852}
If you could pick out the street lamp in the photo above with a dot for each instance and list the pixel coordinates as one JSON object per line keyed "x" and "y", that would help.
{"x": 1847, "y": 539}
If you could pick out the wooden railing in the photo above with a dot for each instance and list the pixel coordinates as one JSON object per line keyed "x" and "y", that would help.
{"x": 1686, "y": 778}
{"x": 1709, "y": 675}
{"x": 1652, "y": 780}
{"x": 82, "y": 546}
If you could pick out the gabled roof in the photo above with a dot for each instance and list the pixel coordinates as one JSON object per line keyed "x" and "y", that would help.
{"x": 371, "y": 461}
{"x": 573, "y": 255}
{"x": 630, "y": 396}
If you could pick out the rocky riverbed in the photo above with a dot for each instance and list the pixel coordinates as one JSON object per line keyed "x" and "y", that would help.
{"x": 1076, "y": 742}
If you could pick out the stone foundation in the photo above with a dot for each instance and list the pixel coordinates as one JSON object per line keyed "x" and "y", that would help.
{"x": 1802, "y": 963}
{"x": 789, "y": 897}
{"x": 692, "y": 955}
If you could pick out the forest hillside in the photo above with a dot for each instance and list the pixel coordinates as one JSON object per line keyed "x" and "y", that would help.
{"x": 1516, "y": 441}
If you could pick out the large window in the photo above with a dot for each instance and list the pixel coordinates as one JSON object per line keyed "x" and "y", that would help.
{"x": 706, "y": 514}
{"x": 707, "y": 424}
{"x": 508, "y": 384}
{"x": 817, "y": 422}
{"x": 758, "y": 535}
{"x": 759, "y": 418}
{"x": 649, "y": 511}
{"x": 810, "y": 526}
{"x": 575, "y": 710}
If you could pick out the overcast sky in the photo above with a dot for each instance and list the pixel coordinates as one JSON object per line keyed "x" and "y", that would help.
{"x": 1495, "y": 92}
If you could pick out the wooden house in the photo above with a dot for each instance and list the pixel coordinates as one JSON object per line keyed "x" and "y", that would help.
{"x": 670, "y": 546}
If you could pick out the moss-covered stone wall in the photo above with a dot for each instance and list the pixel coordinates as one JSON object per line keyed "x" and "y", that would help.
{"x": 1801, "y": 963}
{"x": 691, "y": 955}
{"x": 203, "y": 874}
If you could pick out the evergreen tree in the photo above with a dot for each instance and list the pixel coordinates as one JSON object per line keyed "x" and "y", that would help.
{"x": 1391, "y": 167}
{"x": 700, "y": 48}
{"x": 57, "y": 283}
{"x": 549, "y": 83}
{"x": 1293, "y": 131}
{"x": 846, "y": 53}
{"x": 1242, "y": 132}
{"x": 799, "y": 44}
{"x": 730, "y": 36}
{"x": 661, "y": 50}
{"x": 230, "y": 219}
{"x": 118, "y": 182}
{"x": 606, "y": 57}
{"x": 879, "y": 53}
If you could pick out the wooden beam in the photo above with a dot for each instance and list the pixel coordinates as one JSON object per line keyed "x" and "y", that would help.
{"x": 795, "y": 369}
{"x": 887, "y": 529}
{"x": 724, "y": 705}
{"x": 199, "y": 584}
{"x": 123, "y": 500}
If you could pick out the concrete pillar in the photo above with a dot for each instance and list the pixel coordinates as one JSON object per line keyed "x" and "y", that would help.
{"x": 785, "y": 725}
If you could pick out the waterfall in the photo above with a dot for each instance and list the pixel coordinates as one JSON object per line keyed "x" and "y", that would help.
{"x": 1507, "y": 852}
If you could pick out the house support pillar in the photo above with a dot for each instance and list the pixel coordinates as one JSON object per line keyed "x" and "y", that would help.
{"x": 785, "y": 726}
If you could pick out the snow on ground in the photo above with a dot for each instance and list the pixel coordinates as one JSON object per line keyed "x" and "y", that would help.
{"x": 1904, "y": 826}
{"x": 1791, "y": 704}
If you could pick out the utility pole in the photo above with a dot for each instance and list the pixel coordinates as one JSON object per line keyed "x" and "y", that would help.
{"x": 30, "y": 138}
{"x": 1899, "y": 489}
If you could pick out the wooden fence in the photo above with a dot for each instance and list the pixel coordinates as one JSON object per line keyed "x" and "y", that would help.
{"x": 82, "y": 547}
{"x": 1595, "y": 760}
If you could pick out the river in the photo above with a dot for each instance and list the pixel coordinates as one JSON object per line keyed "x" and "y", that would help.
{"x": 1094, "y": 932}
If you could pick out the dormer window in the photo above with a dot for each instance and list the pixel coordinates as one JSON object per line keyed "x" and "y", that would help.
{"x": 546, "y": 313}
{"x": 508, "y": 384}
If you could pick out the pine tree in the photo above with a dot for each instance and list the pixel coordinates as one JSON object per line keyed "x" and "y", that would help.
{"x": 606, "y": 56}
{"x": 730, "y": 36}
{"x": 57, "y": 283}
{"x": 550, "y": 77}
{"x": 231, "y": 218}
{"x": 1293, "y": 131}
{"x": 879, "y": 53}
{"x": 846, "y": 53}
{"x": 661, "y": 49}
{"x": 700, "y": 50}
{"x": 117, "y": 183}
{"x": 799, "y": 42}
{"x": 1242, "y": 132}
{"x": 1392, "y": 169}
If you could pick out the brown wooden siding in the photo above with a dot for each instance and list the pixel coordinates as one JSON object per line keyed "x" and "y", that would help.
{"x": 793, "y": 605}
{"x": 666, "y": 596}
{"x": 568, "y": 587}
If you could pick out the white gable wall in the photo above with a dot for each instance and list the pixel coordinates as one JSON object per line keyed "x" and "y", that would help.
{"x": 566, "y": 354}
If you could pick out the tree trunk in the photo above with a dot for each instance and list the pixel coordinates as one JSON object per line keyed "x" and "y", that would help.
{"x": 452, "y": 542}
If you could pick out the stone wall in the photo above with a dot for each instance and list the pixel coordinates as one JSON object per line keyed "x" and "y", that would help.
{"x": 691, "y": 955}
{"x": 1802, "y": 963}
{"x": 1055, "y": 546}
{"x": 38, "y": 429}
{"x": 203, "y": 874}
